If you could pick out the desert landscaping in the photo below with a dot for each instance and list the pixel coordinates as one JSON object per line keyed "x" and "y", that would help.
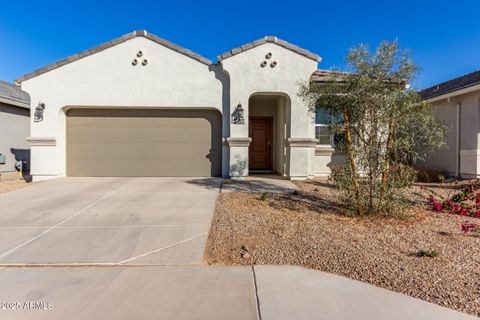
{"x": 12, "y": 181}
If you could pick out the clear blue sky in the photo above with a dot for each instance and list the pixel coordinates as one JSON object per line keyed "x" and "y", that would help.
{"x": 443, "y": 35}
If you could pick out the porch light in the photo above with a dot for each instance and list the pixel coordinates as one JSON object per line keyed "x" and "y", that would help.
{"x": 238, "y": 115}
{"x": 38, "y": 116}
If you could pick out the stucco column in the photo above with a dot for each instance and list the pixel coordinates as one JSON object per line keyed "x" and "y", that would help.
{"x": 301, "y": 153}
{"x": 238, "y": 156}
{"x": 238, "y": 142}
{"x": 43, "y": 152}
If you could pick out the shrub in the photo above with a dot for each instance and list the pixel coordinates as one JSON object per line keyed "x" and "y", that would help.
{"x": 263, "y": 196}
{"x": 423, "y": 175}
{"x": 426, "y": 253}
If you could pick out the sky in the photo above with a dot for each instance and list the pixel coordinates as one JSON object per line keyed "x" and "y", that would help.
{"x": 444, "y": 36}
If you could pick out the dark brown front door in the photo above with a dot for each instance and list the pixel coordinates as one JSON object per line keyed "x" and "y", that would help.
{"x": 260, "y": 151}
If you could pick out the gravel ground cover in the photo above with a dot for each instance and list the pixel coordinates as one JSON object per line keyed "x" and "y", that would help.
{"x": 12, "y": 181}
{"x": 310, "y": 229}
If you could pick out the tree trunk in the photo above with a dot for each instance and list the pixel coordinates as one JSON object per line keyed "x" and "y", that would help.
{"x": 386, "y": 165}
{"x": 356, "y": 184}
{"x": 372, "y": 157}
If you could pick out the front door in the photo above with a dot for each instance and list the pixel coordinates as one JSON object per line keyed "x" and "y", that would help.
{"x": 260, "y": 150}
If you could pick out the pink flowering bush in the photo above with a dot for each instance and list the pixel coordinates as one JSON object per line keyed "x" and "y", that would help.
{"x": 464, "y": 203}
{"x": 467, "y": 227}
{"x": 437, "y": 205}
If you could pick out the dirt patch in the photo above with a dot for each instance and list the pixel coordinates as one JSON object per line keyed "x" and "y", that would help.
{"x": 310, "y": 229}
{"x": 13, "y": 181}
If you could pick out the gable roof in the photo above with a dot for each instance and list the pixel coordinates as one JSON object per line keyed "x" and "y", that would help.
{"x": 11, "y": 94}
{"x": 269, "y": 39}
{"x": 109, "y": 44}
{"x": 455, "y": 84}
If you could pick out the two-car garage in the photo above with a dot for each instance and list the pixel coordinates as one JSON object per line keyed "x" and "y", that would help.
{"x": 136, "y": 106}
{"x": 143, "y": 142}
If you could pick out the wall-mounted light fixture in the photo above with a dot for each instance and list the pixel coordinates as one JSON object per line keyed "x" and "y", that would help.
{"x": 238, "y": 115}
{"x": 38, "y": 116}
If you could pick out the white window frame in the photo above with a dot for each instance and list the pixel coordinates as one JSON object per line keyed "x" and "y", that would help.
{"x": 323, "y": 125}
{"x": 331, "y": 144}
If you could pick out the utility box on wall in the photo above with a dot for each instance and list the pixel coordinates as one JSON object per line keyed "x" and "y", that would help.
{"x": 2, "y": 158}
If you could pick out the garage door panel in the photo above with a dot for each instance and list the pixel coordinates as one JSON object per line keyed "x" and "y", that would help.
{"x": 90, "y": 133}
{"x": 169, "y": 150}
{"x": 143, "y": 142}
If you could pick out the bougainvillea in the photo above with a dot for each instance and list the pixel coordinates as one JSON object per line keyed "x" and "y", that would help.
{"x": 464, "y": 203}
{"x": 467, "y": 227}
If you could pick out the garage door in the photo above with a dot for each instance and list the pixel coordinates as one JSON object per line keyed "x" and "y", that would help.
{"x": 136, "y": 143}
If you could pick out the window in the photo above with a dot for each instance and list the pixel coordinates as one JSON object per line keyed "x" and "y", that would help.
{"x": 323, "y": 120}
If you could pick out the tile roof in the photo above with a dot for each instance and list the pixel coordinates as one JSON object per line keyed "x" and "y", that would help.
{"x": 326, "y": 75}
{"x": 462, "y": 82}
{"x": 109, "y": 44}
{"x": 12, "y": 94}
{"x": 323, "y": 76}
{"x": 269, "y": 39}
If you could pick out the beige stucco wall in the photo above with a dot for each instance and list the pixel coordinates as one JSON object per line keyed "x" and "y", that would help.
{"x": 14, "y": 129}
{"x": 281, "y": 135}
{"x": 326, "y": 158}
{"x": 108, "y": 79}
{"x": 461, "y": 114}
{"x": 322, "y": 164}
{"x": 445, "y": 159}
{"x": 247, "y": 77}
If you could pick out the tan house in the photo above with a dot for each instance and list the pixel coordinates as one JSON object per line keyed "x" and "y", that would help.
{"x": 142, "y": 106}
{"x": 457, "y": 103}
{"x": 14, "y": 127}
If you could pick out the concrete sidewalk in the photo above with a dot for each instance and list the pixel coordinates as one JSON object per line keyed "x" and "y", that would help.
{"x": 195, "y": 292}
{"x": 289, "y": 292}
{"x": 259, "y": 183}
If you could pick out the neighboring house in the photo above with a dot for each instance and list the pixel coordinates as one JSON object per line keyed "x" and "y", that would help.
{"x": 142, "y": 106}
{"x": 457, "y": 103}
{"x": 14, "y": 127}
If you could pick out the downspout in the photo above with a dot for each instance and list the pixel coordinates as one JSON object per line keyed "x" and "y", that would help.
{"x": 459, "y": 124}
{"x": 458, "y": 131}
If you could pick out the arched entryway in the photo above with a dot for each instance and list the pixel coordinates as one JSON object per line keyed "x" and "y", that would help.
{"x": 268, "y": 127}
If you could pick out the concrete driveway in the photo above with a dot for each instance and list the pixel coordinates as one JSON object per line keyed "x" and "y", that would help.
{"x": 107, "y": 221}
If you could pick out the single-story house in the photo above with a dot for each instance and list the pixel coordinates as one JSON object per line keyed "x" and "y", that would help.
{"x": 457, "y": 104}
{"x": 14, "y": 127}
{"x": 142, "y": 106}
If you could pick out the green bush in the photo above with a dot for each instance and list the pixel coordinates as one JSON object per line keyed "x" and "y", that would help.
{"x": 426, "y": 253}
{"x": 263, "y": 196}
